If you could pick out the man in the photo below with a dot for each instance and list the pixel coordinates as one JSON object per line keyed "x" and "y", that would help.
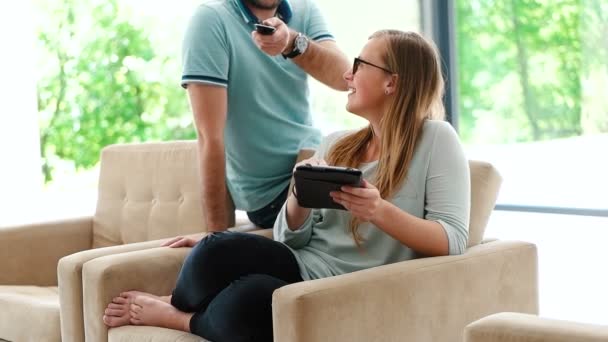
{"x": 249, "y": 97}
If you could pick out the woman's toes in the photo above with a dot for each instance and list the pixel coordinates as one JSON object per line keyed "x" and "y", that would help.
{"x": 135, "y": 321}
{"x": 112, "y": 321}
{"x": 114, "y": 312}
{"x": 120, "y": 300}
{"x": 116, "y": 306}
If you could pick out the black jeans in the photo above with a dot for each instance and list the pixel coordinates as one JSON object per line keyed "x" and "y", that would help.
{"x": 228, "y": 280}
{"x": 266, "y": 216}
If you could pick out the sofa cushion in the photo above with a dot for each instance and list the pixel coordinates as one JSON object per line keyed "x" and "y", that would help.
{"x": 485, "y": 183}
{"x": 29, "y": 313}
{"x": 150, "y": 334}
{"x": 147, "y": 192}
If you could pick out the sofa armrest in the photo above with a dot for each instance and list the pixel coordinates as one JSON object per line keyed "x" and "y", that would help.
{"x": 517, "y": 327}
{"x": 152, "y": 270}
{"x": 70, "y": 285}
{"x": 428, "y": 299}
{"x": 29, "y": 253}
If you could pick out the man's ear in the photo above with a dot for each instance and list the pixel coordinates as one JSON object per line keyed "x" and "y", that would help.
{"x": 391, "y": 85}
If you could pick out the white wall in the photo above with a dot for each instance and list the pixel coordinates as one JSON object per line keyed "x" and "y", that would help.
{"x": 20, "y": 176}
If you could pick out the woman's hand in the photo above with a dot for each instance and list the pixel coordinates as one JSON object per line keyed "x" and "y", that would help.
{"x": 311, "y": 161}
{"x": 363, "y": 203}
{"x": 296, "y": 215}
{"x": 181, "y": 241}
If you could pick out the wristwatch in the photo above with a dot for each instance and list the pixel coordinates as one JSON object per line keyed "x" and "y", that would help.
{"x": 300, "y": 44}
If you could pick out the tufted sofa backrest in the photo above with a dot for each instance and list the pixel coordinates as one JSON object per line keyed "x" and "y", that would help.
{"x": 148, "y": 191}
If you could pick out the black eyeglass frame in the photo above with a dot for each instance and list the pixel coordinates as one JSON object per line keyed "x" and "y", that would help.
{"x": 358, "y": 61}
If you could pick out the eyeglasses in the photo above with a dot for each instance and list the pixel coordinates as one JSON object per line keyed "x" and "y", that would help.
{"x": 358, "y": 62}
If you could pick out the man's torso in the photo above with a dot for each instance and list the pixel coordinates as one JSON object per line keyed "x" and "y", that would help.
{"x": 269, "y": 117}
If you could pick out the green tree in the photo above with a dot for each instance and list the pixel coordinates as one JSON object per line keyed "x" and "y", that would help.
{"x": 102, "y": 83}
{"x": 520, "y": 68}
{"x": 594, "y": 30}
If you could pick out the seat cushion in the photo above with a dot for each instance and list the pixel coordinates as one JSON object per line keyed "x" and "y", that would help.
{"x": 150, "y": 334}
{"x": 519, "y": 327}
{"x": 29, "y": 313}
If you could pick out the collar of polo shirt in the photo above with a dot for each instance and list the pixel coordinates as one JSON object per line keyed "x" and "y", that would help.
{"x": 283, "y": 12}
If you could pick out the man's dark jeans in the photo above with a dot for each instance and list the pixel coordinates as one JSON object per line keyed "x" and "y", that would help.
{"x": 265, "y": 217}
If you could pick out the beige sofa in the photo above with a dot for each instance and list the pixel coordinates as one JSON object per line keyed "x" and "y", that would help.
{"x": 518, "y": 327}
{"x": 429, "y": 299}
{"x": 146, "y": 192}
{"x": 151, "y": 191}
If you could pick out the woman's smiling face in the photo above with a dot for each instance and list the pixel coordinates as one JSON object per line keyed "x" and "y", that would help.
{"x": 367, "y": 81}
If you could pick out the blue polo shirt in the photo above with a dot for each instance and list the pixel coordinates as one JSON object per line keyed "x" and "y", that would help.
{"x": 269, "y": 113}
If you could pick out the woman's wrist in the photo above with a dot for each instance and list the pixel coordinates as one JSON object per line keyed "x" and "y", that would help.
{"x": 381, "y": 213}
{"x": 294, "y": 214}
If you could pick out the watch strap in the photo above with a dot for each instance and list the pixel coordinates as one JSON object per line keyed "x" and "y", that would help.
{"x": 295, "y": 51}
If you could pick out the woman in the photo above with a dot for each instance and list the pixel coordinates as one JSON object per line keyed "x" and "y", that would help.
{"x": 414, "y": 202}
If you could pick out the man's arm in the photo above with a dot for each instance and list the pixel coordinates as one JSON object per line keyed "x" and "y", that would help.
{"x": 322, "y": 60}
{"x": 209, "y": 107}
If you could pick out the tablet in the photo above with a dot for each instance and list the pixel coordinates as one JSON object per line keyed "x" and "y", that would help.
{"x": 314, "y": 183}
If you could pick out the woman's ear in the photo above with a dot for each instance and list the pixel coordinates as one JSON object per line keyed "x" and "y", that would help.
{"x": 391, "y": 85}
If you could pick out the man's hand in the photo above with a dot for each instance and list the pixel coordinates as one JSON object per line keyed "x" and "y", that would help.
{"x": 275, "y": 43}
{"x": 363, "y": 203}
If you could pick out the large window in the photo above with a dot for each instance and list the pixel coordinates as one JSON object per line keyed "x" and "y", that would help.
{"x": 533, "y": 79}
{"x": 533, "y": 86}
{"x": 85, "y": 74}
{"x": 109, "y": 72}
{"x": 532, "y": 92}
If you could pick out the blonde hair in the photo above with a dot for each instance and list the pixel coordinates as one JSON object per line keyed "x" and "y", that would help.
{"x": 418, "y": 97}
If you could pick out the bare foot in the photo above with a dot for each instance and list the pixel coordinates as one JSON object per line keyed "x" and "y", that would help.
{"x": 132, "y": 294}
{"x": 146, "y": 310}
{"x": 117, "y": 312}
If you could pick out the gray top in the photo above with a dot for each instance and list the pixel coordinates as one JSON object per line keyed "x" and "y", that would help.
{"x": 437, "y": 188}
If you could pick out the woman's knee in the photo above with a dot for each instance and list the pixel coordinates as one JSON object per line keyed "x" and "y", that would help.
{"x": 241, "y": 312}
{"x": 213, "y": 247}
{"x": 223, "y": 248}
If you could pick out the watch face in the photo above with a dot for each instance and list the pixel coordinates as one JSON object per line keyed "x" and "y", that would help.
{"x": 301, "y": 43}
